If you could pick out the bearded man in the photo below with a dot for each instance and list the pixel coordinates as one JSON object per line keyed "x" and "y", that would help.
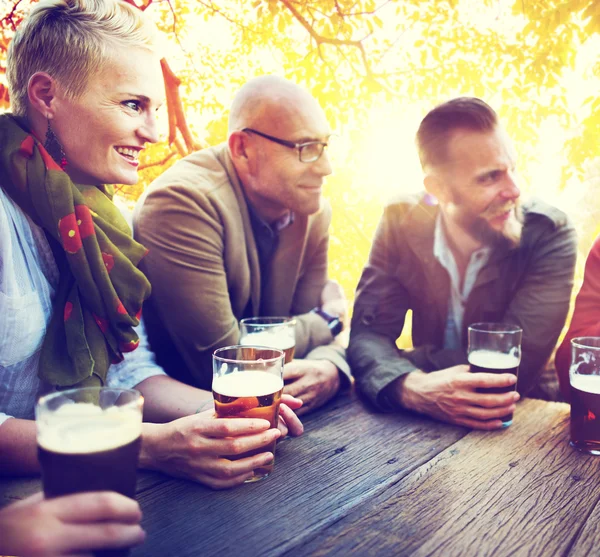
{"x": 463, "y": 252}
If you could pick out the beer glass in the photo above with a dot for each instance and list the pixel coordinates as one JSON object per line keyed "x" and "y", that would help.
{"x": 584, "y": 375}
{"x": 495, "y": 348}
{"x": 89, "y": 440}
{"x": 247, "y": 383}
{"x": 275, "y": 332}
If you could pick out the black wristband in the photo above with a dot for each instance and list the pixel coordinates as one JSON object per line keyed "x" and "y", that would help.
{"x": 333, "y": 322}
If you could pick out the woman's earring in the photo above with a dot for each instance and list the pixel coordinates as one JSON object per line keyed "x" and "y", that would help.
{"x": 54, "y": 148}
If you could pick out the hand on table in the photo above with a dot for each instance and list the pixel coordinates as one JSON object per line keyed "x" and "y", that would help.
{"x": 72, "y": 525}
{"x": 196, "y": 447}
{"x": 313, "y": 381}
{"x": 450, "y": 395}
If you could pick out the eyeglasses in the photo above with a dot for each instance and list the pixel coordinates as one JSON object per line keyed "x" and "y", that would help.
{"x": 310, "y": 151}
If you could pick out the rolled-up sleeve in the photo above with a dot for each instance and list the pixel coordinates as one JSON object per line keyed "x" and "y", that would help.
{"x": 4, "y": 417}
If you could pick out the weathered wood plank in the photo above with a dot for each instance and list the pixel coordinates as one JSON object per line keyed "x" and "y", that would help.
{"x": 147, "y": 480}
{"x": 515, "y": 492}
{"x": 346, "y": 456}
{"x": 587, "y": 540}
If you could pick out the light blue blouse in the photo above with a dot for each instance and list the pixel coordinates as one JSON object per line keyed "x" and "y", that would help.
{"x": 28, "y": 279}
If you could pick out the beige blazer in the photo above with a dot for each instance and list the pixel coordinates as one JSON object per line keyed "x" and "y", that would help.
{"x": 204, "y": 268}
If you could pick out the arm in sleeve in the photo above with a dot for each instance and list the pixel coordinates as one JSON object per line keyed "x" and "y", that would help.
{"x": 586, "y": 317}
{"x": 541, "y": 303}
{"x": 185, "y": 266}
{"x": 379, "y": 313}
{"x": 311, "y": 330}
{"x": 18, "y": 447}
{"x": 136, "y": 366}
{"x": 314, "y": 340}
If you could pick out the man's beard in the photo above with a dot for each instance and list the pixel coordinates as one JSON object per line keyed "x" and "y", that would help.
{"x": 480, "y": 229}
{"x": 510, "y": 232}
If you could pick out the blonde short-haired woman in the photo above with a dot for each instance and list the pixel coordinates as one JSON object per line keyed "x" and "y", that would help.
{"x": 85, "y": 83}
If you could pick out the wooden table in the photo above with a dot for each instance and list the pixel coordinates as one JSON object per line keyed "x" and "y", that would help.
{"x": 363, "y": 483}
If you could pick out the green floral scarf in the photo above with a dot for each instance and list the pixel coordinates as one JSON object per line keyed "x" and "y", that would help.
{"x": 100, "y": 293}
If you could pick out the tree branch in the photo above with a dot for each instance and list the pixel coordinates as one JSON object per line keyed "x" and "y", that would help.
{"x": 8, "y": 18}
{"x": 174, "y": 31}
{"x": 160, "y": 162}
{"x": 319, "y": 39}
{"x": 210, "y": 6}
{"x": 140, "y": 6}
{"x": 341, "y": 12}
{"x": 177, "y": 120}
{"x": 394, "y": 42}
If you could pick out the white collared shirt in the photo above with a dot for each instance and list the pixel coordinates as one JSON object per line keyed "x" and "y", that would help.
{"x": 458, "y": 297}
{"x": 28, "y": 279}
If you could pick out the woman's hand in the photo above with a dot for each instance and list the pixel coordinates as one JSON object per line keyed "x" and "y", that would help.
{"x": 197, "y": 447}
{"x": 288, "y": 421}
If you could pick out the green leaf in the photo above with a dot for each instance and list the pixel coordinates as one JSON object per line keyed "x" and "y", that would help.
{"x": 281, "y": 24}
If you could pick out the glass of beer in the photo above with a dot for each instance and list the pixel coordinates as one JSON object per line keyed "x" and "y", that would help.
{"x": 495, "y": 348}
{"x": 276, "y": 332}
{"x": 89, "y": 440}
{"x": 247, "y": 383}
{"x": 584, "y": 375}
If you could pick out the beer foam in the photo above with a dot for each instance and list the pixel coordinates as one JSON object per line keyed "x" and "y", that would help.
{"x": 82, "y": 427}
{"x": 586, "y": 383}
{"x": 275, "y": 338}
{"x": 585, "y": 360}
{"x": 493, "y": 360}
{"x": 247, "y": 383}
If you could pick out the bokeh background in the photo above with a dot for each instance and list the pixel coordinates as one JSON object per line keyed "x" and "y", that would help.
{"x": 377, "y": 67}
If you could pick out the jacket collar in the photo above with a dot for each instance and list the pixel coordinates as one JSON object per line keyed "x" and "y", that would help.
{"x": 418, "y": 227}
{"x": 285, "y": 264}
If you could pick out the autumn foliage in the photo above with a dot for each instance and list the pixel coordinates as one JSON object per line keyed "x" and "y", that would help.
{"x": 377, "y": 66}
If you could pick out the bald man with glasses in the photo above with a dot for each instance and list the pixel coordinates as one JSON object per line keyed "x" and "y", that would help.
{"x": 241, "y": 230}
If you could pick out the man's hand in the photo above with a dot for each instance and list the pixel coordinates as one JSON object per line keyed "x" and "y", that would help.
{"x": 288, "y": 421}
{"x": 313, "y": 381}
{"x": 70, "y": 525}
{"x": 333, "y": 300}
{"x": 450, "y": 395}
{"x": 196, "y": 447}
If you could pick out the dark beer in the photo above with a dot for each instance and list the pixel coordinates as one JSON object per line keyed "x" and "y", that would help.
{"x": 488, "y": 361}
{"x": 585, "y": 413}
{"x": 250, "y": 394}
{"x": 112, "y": 470}
{"x": 84, "y": 448}
{"x": 282, "y": 338}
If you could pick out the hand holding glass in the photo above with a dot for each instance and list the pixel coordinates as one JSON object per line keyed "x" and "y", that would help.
{"x": 495, "y": 348}
{"x": 89, "y": 440}
{"x": 247, "y": 383}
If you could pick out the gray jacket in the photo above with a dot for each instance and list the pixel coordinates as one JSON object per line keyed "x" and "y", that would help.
{"x": 529, "y": 285}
